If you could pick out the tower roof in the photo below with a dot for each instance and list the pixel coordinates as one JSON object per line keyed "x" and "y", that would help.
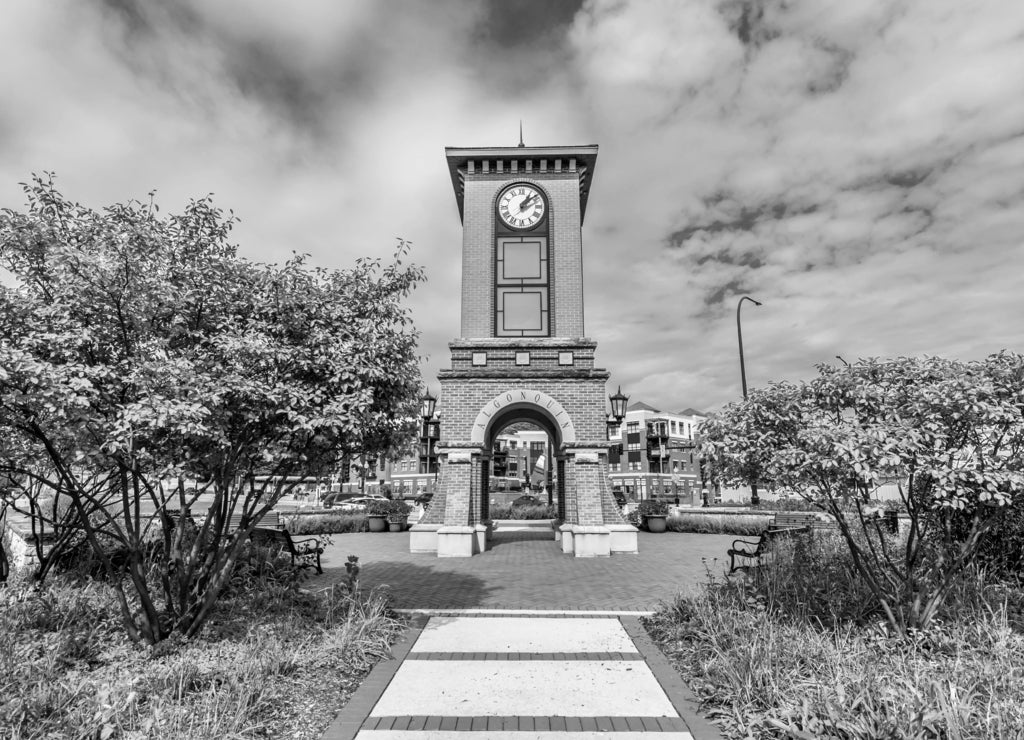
{"x": 585, "y": 156}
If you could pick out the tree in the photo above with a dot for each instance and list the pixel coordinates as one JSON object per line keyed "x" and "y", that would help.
{"x": 950, "y": 433}
{"x": 140, "y": 352}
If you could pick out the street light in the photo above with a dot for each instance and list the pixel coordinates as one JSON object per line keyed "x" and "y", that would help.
{"x": 619, "y": 402}
{"x": 754, "y": 499}
{"x": 427, "y": 406}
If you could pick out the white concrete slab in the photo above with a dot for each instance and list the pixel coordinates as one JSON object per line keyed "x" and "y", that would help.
{"x": 517, "y": 635}
{"x": 576, "y": 688}
{"x": 512, "y": 735}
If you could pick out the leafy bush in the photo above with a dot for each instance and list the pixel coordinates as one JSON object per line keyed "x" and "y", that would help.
{"x": 270, "y": 663}
{"x": 381, "y": 507}
{"x": 652, "y": 507}
{"x": 1001, "y": 548}
{"x": 398, "y": 510}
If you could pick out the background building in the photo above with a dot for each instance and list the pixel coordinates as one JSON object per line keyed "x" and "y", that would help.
{"x": 657, "y": 455}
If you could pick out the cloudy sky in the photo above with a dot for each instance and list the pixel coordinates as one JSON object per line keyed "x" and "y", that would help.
{"x": 856, "y": 166}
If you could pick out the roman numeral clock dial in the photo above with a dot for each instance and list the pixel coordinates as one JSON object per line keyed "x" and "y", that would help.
{"x": 521, "y": 206}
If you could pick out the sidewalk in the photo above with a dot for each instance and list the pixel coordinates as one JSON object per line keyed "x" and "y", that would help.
{"x": 501, "y": 677}
{"x": 527, "y": 570}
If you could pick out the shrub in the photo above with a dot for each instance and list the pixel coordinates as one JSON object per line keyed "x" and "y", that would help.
{"x": 267, "y": 663}
{"x": 652, "y": 507}
{"x": 381, "y": 507}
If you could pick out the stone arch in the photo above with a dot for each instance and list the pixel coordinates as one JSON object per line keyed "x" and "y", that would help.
{"x": 525, "y": 404}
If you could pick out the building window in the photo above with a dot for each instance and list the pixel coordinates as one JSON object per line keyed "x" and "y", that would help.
{"x": 521, "y": 287}
{"x": 632, "y": 427}
{"x": 614, "y": 432}
{"x": 633, "y": 445}
{"x": 634, "y": 465}
{"x": 674, "y": 427}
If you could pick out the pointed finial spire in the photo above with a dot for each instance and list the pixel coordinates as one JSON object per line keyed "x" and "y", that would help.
{"x": 521, "y": 133}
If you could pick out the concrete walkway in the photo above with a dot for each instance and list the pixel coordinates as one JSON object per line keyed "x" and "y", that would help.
{"x": 527, "y": 570}
{"x": 525, "y": 642}
{"x": 505, "y": 677}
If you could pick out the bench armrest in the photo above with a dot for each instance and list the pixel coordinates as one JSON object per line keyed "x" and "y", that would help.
{"x": 755, "y": 543}
{"x": 306, "y": 540}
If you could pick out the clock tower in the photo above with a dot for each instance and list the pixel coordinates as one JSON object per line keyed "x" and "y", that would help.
{"x": 522, "y": 355}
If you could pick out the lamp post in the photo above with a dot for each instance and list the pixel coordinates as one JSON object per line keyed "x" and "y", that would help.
{"x": 754, "y": 499}
{"x": 618, "y": 401}
{"x": 427, "y": 405}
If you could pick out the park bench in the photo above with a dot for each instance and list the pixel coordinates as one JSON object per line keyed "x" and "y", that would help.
{"x": 784, "y": 524}
{"x": 270, "y": 520}
{"x": 306, "y": 551}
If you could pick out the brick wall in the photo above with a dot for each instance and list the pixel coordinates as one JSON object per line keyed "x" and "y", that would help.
{"x": 566, "y": 249}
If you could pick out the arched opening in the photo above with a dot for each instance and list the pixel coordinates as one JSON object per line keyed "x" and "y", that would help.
{"x": 522, "y": 465}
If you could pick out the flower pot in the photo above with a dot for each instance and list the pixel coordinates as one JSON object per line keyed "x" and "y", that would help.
{"x": 396, "y": 525}
{"x": 656, "y": 523}
{"x": 377, "y": 523}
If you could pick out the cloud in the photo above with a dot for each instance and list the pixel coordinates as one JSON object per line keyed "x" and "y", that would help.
{"x": 823, "y": 157}
{"x": 858, "y": 167}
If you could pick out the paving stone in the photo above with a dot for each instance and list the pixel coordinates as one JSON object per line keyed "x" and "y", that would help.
{"x": 525, "y": 573}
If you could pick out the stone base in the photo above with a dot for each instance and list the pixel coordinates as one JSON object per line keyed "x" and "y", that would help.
{"x": 461, "y": 542}
{"x": 565, "y": 537}
{"x": 591, "y": 542}
{"x": 423, "y": 537}
{"x": 623, "y": 539}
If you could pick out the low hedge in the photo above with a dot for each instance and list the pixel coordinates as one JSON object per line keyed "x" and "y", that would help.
{"x": 325, "y": 522}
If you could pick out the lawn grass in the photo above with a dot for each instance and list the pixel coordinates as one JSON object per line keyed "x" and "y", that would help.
{"x": 800, "y": 653}
{"x": 273, "y": 661}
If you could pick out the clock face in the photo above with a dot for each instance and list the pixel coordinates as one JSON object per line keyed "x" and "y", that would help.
{"x": 521, "y": 206}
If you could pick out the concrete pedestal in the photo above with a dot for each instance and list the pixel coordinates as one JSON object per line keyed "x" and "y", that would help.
{"x": 461, "y": 542}
{"x": 566, "y": 538}
{"x": 623, "y": 539}
{"x": 591, "y": 541}
{"x": 423, "y": 537}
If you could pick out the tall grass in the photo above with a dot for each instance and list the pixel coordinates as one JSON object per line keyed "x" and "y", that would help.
{"x": 798, "y": 652}
{"x": 327, "y": 522}
{"x": 273, "y": 662}
{"x": 718, "y": 523}
{"x": 531, "y": 511}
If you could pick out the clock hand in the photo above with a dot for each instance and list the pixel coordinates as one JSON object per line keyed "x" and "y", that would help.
{"x": 527, "y": 201}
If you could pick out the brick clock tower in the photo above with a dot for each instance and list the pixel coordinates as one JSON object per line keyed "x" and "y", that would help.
{"x": 522, "y": 354}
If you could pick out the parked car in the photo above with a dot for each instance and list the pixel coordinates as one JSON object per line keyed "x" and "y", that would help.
{"x": 424, "y": 498}
{"x": 620, "y": 498}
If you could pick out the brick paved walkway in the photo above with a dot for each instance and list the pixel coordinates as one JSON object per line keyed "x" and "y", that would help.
{"x": 527, "y": 570}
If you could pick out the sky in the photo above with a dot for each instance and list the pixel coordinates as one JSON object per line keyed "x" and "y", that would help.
{"x": 857, "y": 167}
